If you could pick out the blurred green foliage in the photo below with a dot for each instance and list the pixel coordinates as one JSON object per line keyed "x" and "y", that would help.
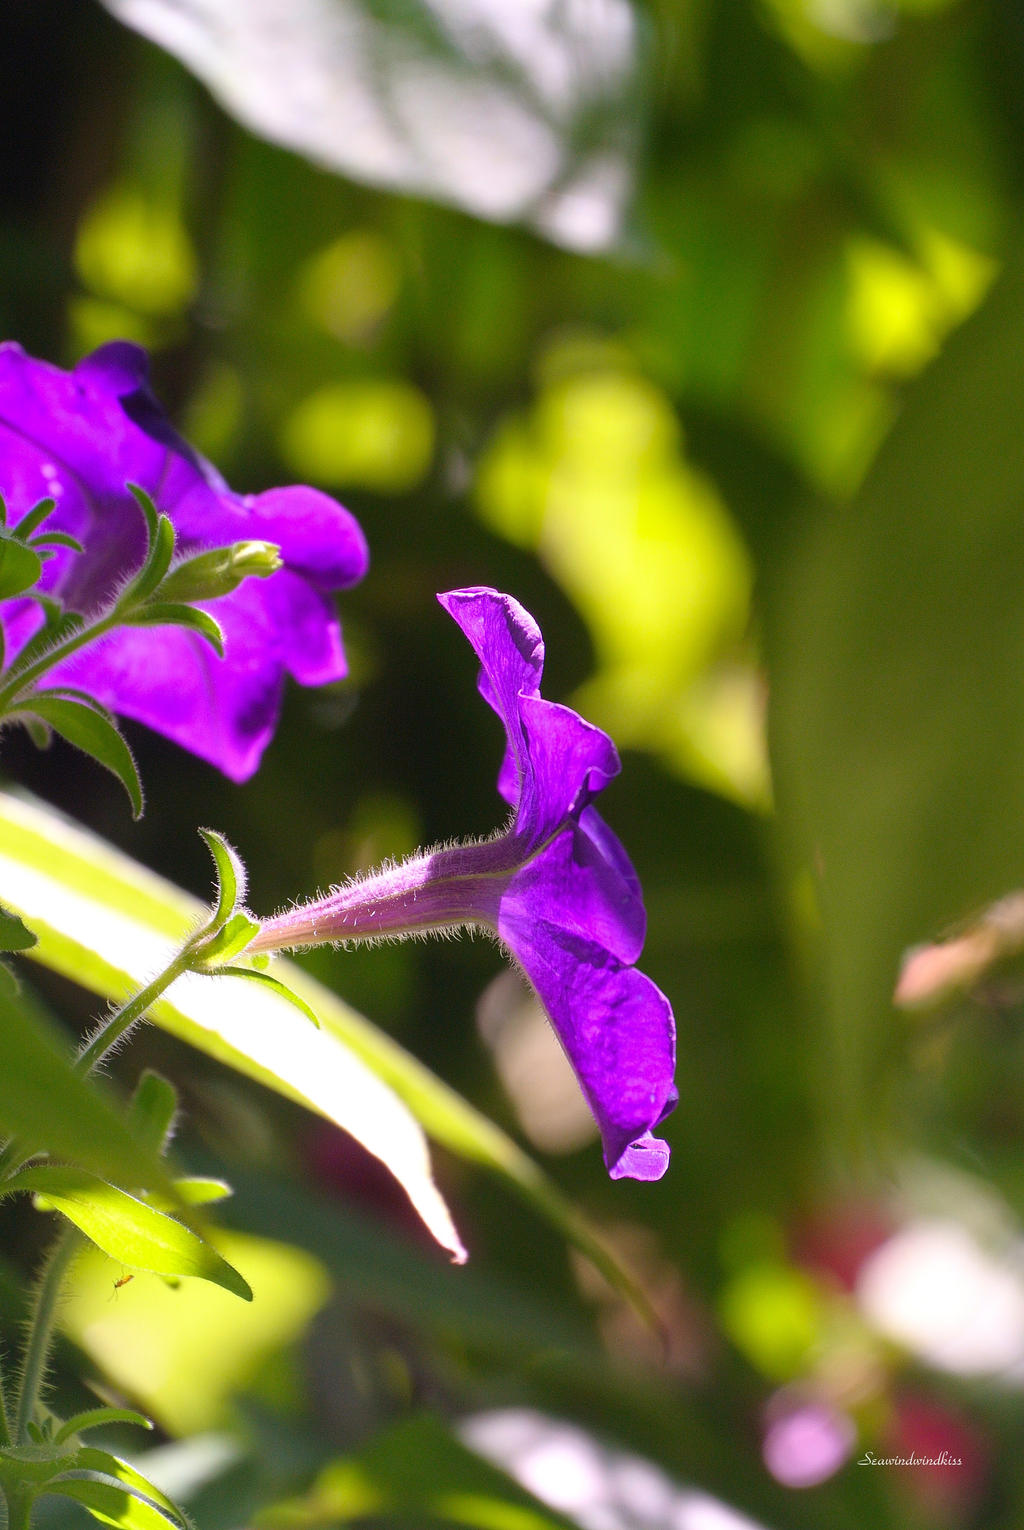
{"x": 754, "y": 461}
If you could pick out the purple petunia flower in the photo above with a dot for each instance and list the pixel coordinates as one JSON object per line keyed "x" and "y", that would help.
{"x": 557, "y": 888}
{"x": 79, "y": 438}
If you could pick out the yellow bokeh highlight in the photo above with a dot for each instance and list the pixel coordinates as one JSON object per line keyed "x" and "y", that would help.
{"x": 183, "y": 1352}
{"x": 351, "y": 286}
{"x": 774, "y": 1315}
{"x": 366, "y": 433}
{"x": 134, "y": 249}
{"x": 594, "y": 479}
{"x": 899, "y": 310}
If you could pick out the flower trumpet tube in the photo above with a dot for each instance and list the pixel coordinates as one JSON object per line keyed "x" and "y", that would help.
{"x": 556, "y": 888}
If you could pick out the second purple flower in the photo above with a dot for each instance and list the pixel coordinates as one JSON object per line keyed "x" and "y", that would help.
{"x": 556, "y": 887}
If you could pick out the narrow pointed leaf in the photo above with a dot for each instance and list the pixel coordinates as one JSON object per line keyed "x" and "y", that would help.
{"x": 90, "y": 731}
{"x": 164, "y": 614}
{"x": 127, "y": 1229}
{"x": 33, "y": 519}
{"x": 113, "y": 1505}
{"x": 98, "y": 1418}
{"x": 94, "y": 1460}
{"x": 231, "y": 873}
{"x": 275, "y": 985}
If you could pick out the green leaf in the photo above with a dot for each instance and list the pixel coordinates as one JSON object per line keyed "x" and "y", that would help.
{"x": 20, "y": 567}
{"x": 33, "y": 519}
{"x": 164, "y": 614}
{"x": 13, "y": 934}
{"x": 150, "y": 513}
{"x": 160, "y": 551}
{"x": 113, "y": 1505}
{"x": 228, "y": 942}
{"x": 47, "y": 1106}
{"x": 98, "y": 1418}
{"x": 58, "y": 539}
{"x": 232, "y": 877}
{"x": 127, "y": 1229}
{"x": 91, "y": 1459}
{"x": 252, "y": 975}
{"x": 153, "y": 1107}
{"x": 896, "y": 641}
{"x": 91, "y": 731}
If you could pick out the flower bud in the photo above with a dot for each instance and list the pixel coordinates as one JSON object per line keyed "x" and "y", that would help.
{"x": 218, "y": 572}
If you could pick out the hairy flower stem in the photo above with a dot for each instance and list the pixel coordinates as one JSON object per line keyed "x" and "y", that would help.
{"x": 5, "y": 1417}
{"x": 20, "y": 681}
{"x": 41, "y": 1326}
{"x": 14, "y": 1155}
{"x": 19, "y": 1507}
{"x": 117, "y": 1025}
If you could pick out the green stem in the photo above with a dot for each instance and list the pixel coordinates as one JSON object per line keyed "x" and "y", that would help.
{"x": 5, "y": 1417}
{"x": 43, "y": 1320}
{"x": 14, "y": 1156}
{"x": 19, "y": 683}
{"x": 19, "y": 1508}
{"x": 112, "y": 1030}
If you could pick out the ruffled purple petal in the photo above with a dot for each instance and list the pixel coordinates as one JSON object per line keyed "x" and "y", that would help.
{"x": 572, "y": 884}
{"x": 617, "y": 1030}
{"x": 80, "y": 437}
{"x": 567, "y": 761}
{"x": 509, "y": 645}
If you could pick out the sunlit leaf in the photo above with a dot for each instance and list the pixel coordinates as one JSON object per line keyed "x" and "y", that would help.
{"x": 110, "y": 924}
{"x": 88, "y": 729}
{"x": 90, "y": 1459}
{"x": 113, "y": 1505}
{"x": 47, "y": 1106}
{"x": 127, "y": 1229}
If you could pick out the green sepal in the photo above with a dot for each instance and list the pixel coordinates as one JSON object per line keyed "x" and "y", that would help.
{"x": 91, "y": 730}
{"x": 269, "y": 981}
{"x": 58, "y": 539}
{"x": 232, "y": 877}
{"x": 32, "y": 519}
{"x": 160, "y": 550}
{"x": 99, "y": 1418}
{"x": 229, "y": 941}
{"x": 161, "y": 614}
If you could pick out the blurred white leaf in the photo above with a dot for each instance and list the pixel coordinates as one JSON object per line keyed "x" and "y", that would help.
{"x": 514, "y": 110}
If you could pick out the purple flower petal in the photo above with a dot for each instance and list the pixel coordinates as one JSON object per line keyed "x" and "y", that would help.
{"x": 572, "y": 912}
{"x": 80, "y": 437}
{"x": 617, "y": 1030}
